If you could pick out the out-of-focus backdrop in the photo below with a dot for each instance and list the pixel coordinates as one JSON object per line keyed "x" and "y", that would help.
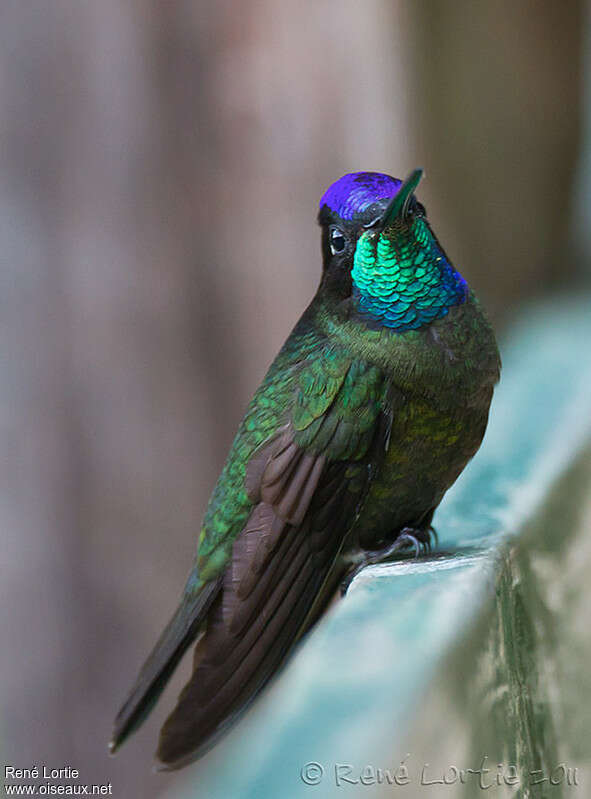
{"x": 161, "y": 168}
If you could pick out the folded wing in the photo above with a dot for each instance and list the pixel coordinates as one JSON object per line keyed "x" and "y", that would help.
{"x": 306, "y": 484}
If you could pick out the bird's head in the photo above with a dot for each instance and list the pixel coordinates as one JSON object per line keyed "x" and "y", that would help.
{"x": 379, "y": 250}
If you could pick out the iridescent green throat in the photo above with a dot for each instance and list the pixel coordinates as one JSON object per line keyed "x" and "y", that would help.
{"x": 404, "y": 282}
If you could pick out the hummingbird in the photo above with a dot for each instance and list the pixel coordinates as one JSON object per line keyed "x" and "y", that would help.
{"x": 372, "y": 408}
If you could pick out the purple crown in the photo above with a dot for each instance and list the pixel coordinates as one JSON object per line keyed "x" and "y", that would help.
{"x": 354, "y": 193}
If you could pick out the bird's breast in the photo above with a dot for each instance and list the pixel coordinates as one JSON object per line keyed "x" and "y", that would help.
{"x": 428, "y": 448}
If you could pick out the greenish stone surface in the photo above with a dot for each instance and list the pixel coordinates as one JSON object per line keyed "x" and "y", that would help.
{"x": 516, "y": 687}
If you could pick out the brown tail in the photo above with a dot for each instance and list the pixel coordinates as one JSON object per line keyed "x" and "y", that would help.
{"x": 252, "y": 626}
{"x": 178, "y": 635}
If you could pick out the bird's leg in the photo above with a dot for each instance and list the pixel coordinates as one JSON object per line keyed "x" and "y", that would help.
{"x": 418, "y": 538}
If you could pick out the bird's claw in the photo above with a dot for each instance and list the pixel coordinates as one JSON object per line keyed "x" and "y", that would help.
{"x": 433, "y": 532}
{"x": 409, "y": 540}
{"x": 420, "y": 539}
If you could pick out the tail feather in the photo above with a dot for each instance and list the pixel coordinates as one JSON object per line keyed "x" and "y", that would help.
{"x": 234, "y": 661}
{"x": 178, "y": 635}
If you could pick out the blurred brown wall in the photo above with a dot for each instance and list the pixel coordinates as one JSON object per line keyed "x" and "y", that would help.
{"x": 499, "y": 115}
{"x": 161, "y": 168}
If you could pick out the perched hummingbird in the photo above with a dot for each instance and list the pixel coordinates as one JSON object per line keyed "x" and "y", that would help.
{"x": 374, "y": 405}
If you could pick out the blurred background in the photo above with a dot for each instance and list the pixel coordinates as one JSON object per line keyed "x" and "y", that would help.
{"x": 161, "y": 165}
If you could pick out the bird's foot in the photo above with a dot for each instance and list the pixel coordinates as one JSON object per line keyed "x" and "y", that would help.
{"x": 425, "y": 537}
{"x": 420, "y": 539}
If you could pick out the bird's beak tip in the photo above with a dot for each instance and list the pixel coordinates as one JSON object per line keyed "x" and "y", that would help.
{"x": 399, "y": 204}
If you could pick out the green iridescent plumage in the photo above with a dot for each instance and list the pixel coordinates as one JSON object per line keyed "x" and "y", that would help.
{"x": 372, "y": 408}
{"x": 308, "y": 378}
{"x": 405, "y": 284}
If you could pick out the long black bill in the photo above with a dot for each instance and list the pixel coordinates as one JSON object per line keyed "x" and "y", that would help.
{"x": 399, "y": 205}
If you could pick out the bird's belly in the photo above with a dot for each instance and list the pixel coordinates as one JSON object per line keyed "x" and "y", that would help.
{"x": 427, "y": 451}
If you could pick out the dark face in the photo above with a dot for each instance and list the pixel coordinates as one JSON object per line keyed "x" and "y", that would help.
{"x": 379, "y": 250}
{"x": 358, "y": 202}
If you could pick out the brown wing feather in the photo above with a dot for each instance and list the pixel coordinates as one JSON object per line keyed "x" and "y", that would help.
{"x": 231, "y": 666}
{"x": 277, "y": 571}
{"x": 285, "y": 477}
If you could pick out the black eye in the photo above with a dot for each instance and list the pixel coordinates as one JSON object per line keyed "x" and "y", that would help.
{"x": 338, "y": 242}
{"x": 415, "y": 208}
